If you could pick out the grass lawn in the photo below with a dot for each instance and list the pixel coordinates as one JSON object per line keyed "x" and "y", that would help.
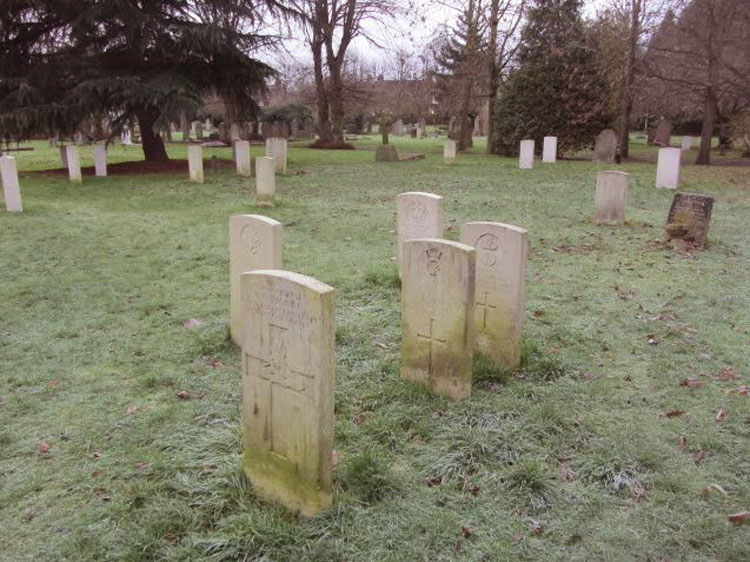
{"x": 593, "y": 450}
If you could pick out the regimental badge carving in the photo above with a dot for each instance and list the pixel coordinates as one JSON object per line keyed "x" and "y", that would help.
{"x": 433, "y": 256}
{"x": 416, "y": 210}
{"x": 487, "y": 246}
{"x": 250, "y": 240}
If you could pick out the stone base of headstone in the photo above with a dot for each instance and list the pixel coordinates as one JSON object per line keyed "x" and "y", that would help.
{"x": 386, "y": 153}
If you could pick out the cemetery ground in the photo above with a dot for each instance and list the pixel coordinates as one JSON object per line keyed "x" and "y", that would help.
{"x": 623, "y": 436}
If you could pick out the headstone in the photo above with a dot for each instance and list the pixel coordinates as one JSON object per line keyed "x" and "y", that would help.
{"x": 234, "y": 132}
{"x": 398, "y": 127}
{"x": 265, "y": 181}
{"x": 687, "y": 143}
{"x": 386, "y": 153}
{"x": 437, "y": 315}
{"x": 412, "y": 131}
{"x": 199, "y": 130}
{"x": 611, "y": 196}
{"x": 185, "y": 124}
{"x": 502, "y": 254}
{"x": 549, "y": 149}
{"x": 242, "y": 159}
{"x": 668, "y": 168}
{"x": 276, "y": 148}
{"x": 418, "y": 215}
{"x": 74, "y": 163}
{"x": 477, "y": 126}
{"x": 195, "y": 163}
{"x": 11, "y": 189}
{"x": 254, "y": 243}
{"x": 605, "y": 148}
{"x": 78, "y": 138}
{"x": 100, "y": 160}
{"x": 689, "y": 217}
{"x": 126, "y": 138}
{"x": 526, "y": 155}
{"x": 287, "y": 388}
{"x": 64, "y": 157}
{"x": 449, "y": 151}
{"x": 663, "y": 135}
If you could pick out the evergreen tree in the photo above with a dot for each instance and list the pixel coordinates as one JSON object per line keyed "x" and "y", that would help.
{"x": 555, "y": 88}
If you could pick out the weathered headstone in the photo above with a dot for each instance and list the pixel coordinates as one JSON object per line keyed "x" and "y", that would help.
{"x": 689, "y": 217}
{"x": 195, "y": 163}
{"x": 611, "y": 196}
{"x": 265, "y": 181}
{"x": 502, "y": 254}
{"x": 437, "y": 315}
{"x": 11, "y": 189}
{"x": 74, "y": 163}
{"x": 64, "y": 157}
{"x": 549, "y": 149}
{"x": 668, "y": 168}
{"x": 100, "y": 160}
{"x": 234, "y": 131}
{"x": 199, "y": 130}
{"x": 526, "y": 155}
{"x": 605, "y": 148}
{"x": 386, "y": 153}
{"x": 398, "y": 127}
{"x": 276, "y": 148}
{"x": 254, "y": 243}
{"x": 663, "y": 135}
{"x": 242, "y": 159}
{"x": 287, "y": 388}
{"x": 449, "y": 151}
{"x": 687, "y": 143}
{"x": 418, "y": 215}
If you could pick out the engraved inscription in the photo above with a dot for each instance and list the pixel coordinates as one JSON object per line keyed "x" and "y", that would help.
{"x": 416, "y": 210}
{"x": 433, "y": 256}
{"x": 431, "y": 340}
{"x": 484, "y": 307}
{"x": 250, "y": 239}
{"x": 283, "y": 307}
{"x": 488, "y": 247}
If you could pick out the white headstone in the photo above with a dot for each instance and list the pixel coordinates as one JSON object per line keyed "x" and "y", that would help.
{"x": 100, "y": 160}
{"x": 265, "y": 181}
{"x": 526, "y": 156}
{"x": 126, "y": 138}
{"x": 11, "y": 189}
{"x": 611, "y": 196}
{"x": 549, "y": 150}
{"x": 242, "y": 158}
{"x": 418, "y": 215}
{"x": 287, "y": 388}
{"x": 502, "y": 254}
{"x": 195, "y": 163}
{"x": 276, "y": 148}
{"x": 668, "y": 168}
{"x": 687, "y": 143}
{"x": 449, "y": 151}
{"x": 74, "y": 163}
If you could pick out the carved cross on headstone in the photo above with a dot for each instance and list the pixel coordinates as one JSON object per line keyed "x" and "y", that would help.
{"x": 484, "y": 306}
{"x": 430, "y": 339}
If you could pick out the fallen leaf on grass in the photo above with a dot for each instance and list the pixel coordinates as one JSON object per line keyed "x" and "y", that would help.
{"x": 743, "y": 390}
{"x": 682, "y": 443}
{"x": 722, "y": 415}
{"x": 359, "y": 419}
{"x": 536, "y": 527}
{"x": 192, "y": 323}
{"x": 652, "y": 339}
{"x": 566, "y": 475}
{"x": 692, "y": 383}
{"x": 43, "y": 448}
{"x": 706, "y": 491}
{"x": 141, "y": 465}
{"x": 672, "y": 413}
{"x": 433, "y": 481}
{"x": 466, "y": 531}
{"x": 96, "y": 455}
{"x": 727, "y": 374}
{"x": 740, "y": 517}
{"x": 473, "y": 489}
{"x": 183, "y": 395}
{"x": 214, "y": 363}
{"x": 590, "y": 376}
{"x": 538, "y": 313}
{"x": 131, "y": 410}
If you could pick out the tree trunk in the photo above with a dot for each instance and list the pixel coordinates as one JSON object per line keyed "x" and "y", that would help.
{"x": 627, "y": 93}
{"x": 324, "y": 118}
{"x": 336, "y": 100}
{"x": 464, "y": 117}
{"x": 707, "y": 130}
{"x": 494, "y": 22}
{"x": 153, "y": 146}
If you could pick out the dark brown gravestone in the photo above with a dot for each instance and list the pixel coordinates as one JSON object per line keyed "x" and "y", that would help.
{"x": 689, "y": 217}
{"x": 663, "y": 134}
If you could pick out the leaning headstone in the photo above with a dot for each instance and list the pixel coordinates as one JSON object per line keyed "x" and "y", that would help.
{"x": 276, "y": 148}
{"x": 663, "y": 135}
{"x": 242, "y": 159}
{"x": 254, "y": 243}
{"x": 605, "y": 148}
{"x": 449, "y": 151}
{"x": 195, "y": 163}
{"x": 418, "y": 215}
{"x": 689, "y": 217}
{"x": 687, "y": 143}
{"x": 526, "y": 155}
{"x": 611, "y": 196}
{"x": 100, "y": 160}
{"x": 64, "y": 157}
{"x": 549, "y": 149}
{"x": 11, "y": 189}
{"x": 74, "y": 163}
{"x": 668, "y": 168}
{"x": 437, "y": 315}
{"x": 502, "y": 253}
{"x": 265, "y": 181}
{"x": 287, "y": 388}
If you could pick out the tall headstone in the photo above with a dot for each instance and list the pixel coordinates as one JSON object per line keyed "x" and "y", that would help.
{"x": 437, "y": 315}
{"x": 449, "y": 151}
{"x": 663, "y": 135}
{"x": 254, "y": 243}
{"x": 74, "y": 163}
{"x": 287, "y": 388}
{"x": 502, "y": 254}
{"x": 242, "y": 159}
{"x": 185, "y": 125}
{"x": 611, "y": 196}
{"x": 605, "y": 148}
{"x": 689, "y": 217}
{"x": 418, "y": 215}
{"x": 276, "y": 148}
{"x": 234, "y": 132}
{"x": 64, "y": 157}
{"x": 668, "y": 168}
{"x": 11, "y": 189}
{"x": 687, "y": 143}
{"x": 265, "y": 181}
{"x": 199, "y": 130}
{"x": 100, "y": 160}
{"x": 549, "y": 149}
{"x": 195, "y": 163}
{"x": 526, "y": 155}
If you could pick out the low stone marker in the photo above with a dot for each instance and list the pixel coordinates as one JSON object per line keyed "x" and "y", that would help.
{"x": 611, "y": 196}
{"x": 549, "y": 150}
{"x": 668, "y": 168}
{"x": 276, "y": 148}
{"x": 386, "y": 153}
{"x": 11, "y": 189}
{"x": 502, "y": 254}
{"x": 287, "y": 388}
{"x": 100, "y": 160}
{"x": 526, "y": 155}
{"x": 437, "y": 315}
{"x": 689, "y": 217}
{"x": 195, "y": 163}
{"x": 663, "y": 133}
{"x": 265, "y": 181}
{"x": 687, "y": 143}
{"x": 449, "y": 151}
{"x": 418, "y": 215}
{"x": 242, "y": 159}
{"x": 74, "y": 163}
{"x": 254, "y": 243}
{"x": 605, "y": 147}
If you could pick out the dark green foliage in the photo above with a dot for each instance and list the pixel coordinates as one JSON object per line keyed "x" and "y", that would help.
{"x": 555, "y": 89}
{"x": 286, "y": 113}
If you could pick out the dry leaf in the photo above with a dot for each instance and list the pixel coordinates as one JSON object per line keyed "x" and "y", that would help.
{"x": 727, "y": 374}
{"x": 740, "y": 517}
{"x": 536, "y": 527}
{"x": 131, "y": 410}
{"x": 43, "y": 448}
{"x": 682, "y": 443}
{"x": 652, "y": 339}
{"x": 722, "y": 415}
{"x": 538, "y": 313}
{"x": 744, "y": 390}
{"x": 192, "y": 323}
{"x": 692, "y": 383}
{"x": 141, "y": 465}
{"x": 473, "y": 489}
{"x": 566, "y": 475}
{"x": 183, "y": 395}
{"x": 214, "y": 363}
{"x": 590, "y": 376}
{"x": 433, "y": 481}
{"x": 97, "y": 455}
{"x": 466, "y": 531}
{"x": 673, "y": 413}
